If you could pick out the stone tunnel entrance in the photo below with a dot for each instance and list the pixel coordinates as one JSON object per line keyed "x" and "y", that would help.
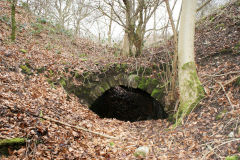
{"x": 128, "y": 104}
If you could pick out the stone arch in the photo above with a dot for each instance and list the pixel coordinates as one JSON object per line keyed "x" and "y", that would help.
{"x": 92, "y": 90}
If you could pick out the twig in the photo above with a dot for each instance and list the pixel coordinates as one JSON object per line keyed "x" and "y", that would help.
{"x": 176, "y": 105}
{"x": 226, "y": 94}
{"x": 233, "y": 140}
{"x": 232, "y": 80}
{"x": 228, "y": 82}
{"x": 219, "y": 75}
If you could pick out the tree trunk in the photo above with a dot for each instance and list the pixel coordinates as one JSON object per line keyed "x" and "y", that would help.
{"x": 125, "y": 47}
{"x": 154, "y": 28}
{"x": 13, "y": 8}
{"x": 110, "y": 26}
{"x": 191, "y": 90}
{"x": 173, "y": 94}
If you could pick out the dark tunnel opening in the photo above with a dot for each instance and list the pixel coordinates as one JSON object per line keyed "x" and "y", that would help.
{"x": 128, "y": 104}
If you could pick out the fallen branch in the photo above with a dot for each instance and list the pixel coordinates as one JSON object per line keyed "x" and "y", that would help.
{"x": 79, "y": 128}
{"x": 226, "y": 142}
{"x": 232, "y": 80}
{"x": 63, "y": 123}
{"x": 226, "y": 94}
{"x": 13, "y": 141}
{"x": 228, "y": 82}
{"x": 219, "y": 75}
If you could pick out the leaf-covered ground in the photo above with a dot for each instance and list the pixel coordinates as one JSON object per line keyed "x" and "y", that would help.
{"x": 211, "y": 131}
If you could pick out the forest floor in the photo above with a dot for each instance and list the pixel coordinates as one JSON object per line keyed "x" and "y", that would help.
{"x": 211, "y": 131}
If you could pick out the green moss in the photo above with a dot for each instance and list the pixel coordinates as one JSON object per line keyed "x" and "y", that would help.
{"x": 76, "y": 74}
{"x": 26, "y": 69}
{"x": 83, "y": 59}
{"x": 41, "y": 70}
{"x": 148, "y": 71}
{"x": 58, "y": 52}
{"x": 124, "y": 66}
{"x": 23, "y": 50}
{"x": 139, "y": 154}
{"x": 232, "y": 157}
{"x": 237, "y": 81}
{"x": 82, "y": 55}
{"x": 51, "y": 82}
{"x": 155, "y": 67}
{"x": 62, "y": 82}
{"x": 105, "y": 86}
{"x": 14, "y": 143}
{"x": 238, "y": 3}
{"x": 221, "y": 114}
{"x": 49, "y": 46}
{"x": 97, "y": 91}
{"x": 195, "y": 85}
{"x": 37, "y": 28}
{"x": 41, "y": 20}
{"x": 157, "y": 93}
{"x": 212, "y": 18}
{"x": 171, "y": 118}
{"x": 141, "y": 69}
{"x": 137, "y": 79}
{"x": 221, "y": 25}
{"x": 226, "y": 50}
{"x": 119, "y": 67}
{"x": 5, "y": 18}
{"x": 142, "y": 83}
{"x": 111, "y": 144}
{"x": 237, "y": 47}
{"x": 51, "y": 73}
{"x": 188, "y": 65}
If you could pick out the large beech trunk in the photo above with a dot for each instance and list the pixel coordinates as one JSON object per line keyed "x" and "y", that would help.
{"x": 191, "y": 90}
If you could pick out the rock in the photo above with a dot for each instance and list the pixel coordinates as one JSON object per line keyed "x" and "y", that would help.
{"x": 231, "y": 135}
{"x": 141, "y": 151}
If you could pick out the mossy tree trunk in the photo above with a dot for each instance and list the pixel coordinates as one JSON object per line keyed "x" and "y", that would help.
{"x": 13, "y": 11}
{"x": 191, "y": 90}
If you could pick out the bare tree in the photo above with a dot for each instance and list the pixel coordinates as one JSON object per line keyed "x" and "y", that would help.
{"x": 81, "y": 9}
{"x": 13, "y": 20}
{"x": 133, "y": 16}
{"x": 41, "y": 7}
{"x": 62, "y": 11}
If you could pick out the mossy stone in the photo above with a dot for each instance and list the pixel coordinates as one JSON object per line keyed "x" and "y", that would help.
{"x": 157, "y": 93}
{"x": 232, "y": 157}
{"x": 14, "y": 143}
{"x": 98, "y": 91}
{"x": 132, "y": 82}
{"x": 142, "y": 83}
{"x": 105, "y": 86}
